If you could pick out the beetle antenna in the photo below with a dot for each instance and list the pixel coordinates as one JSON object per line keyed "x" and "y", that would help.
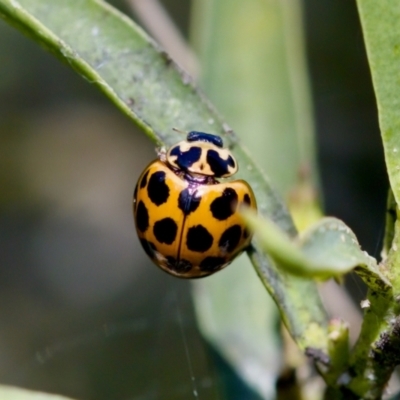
{"x": 179, "y": 131}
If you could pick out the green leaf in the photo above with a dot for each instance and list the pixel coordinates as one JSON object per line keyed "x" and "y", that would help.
{"x": 254, "y": 70}
{"x": 117, "y": 57}
{"x": 262, "y": 90}
{"x": 238, "y": 317}
{"x": 13, "y": 393}
{"x": 381, "y": 28}
{"x": 327, "y": 249}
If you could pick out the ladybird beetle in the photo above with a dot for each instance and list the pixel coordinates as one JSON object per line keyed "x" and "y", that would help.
{"x": 187, "y": 221}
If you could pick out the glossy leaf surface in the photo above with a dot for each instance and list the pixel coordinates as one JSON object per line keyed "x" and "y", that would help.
{"x": 117, "y": 57}
{"x": 326, "y": 250}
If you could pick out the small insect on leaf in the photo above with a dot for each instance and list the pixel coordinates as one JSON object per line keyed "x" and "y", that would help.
{"x": 187, "y": 220}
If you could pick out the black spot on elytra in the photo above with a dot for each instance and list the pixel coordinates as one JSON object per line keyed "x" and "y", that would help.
{"x": 246, "y": 233}
{"x": 148, "y": 247}
{"x": 165, "y": 230}
{"x": 180, "y": 266}
{"x": 187, "y": 202}
{"x": 217, "y": 164}
{"x": 185, "y": 159}
{"x": 198, "y": 239}
{"x": 247, "y": 200}
{"x": 223, "y": 207}
{"x": 210, "y": 264}
{"x": 157, "y": 189}
{"x": 230, "y": 238}
{"x": 142, "y": 217}
{"x": 143, "y": 182}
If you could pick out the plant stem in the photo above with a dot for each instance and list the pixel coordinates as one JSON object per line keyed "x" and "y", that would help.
{"x": 377, "y": 351}
{"x": 368, "y": 372}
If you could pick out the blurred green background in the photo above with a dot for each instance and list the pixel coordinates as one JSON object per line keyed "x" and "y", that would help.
{"x": 82, "y": 311}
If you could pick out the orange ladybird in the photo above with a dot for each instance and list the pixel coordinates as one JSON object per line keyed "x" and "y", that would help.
{"x": 187, "y": 221}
